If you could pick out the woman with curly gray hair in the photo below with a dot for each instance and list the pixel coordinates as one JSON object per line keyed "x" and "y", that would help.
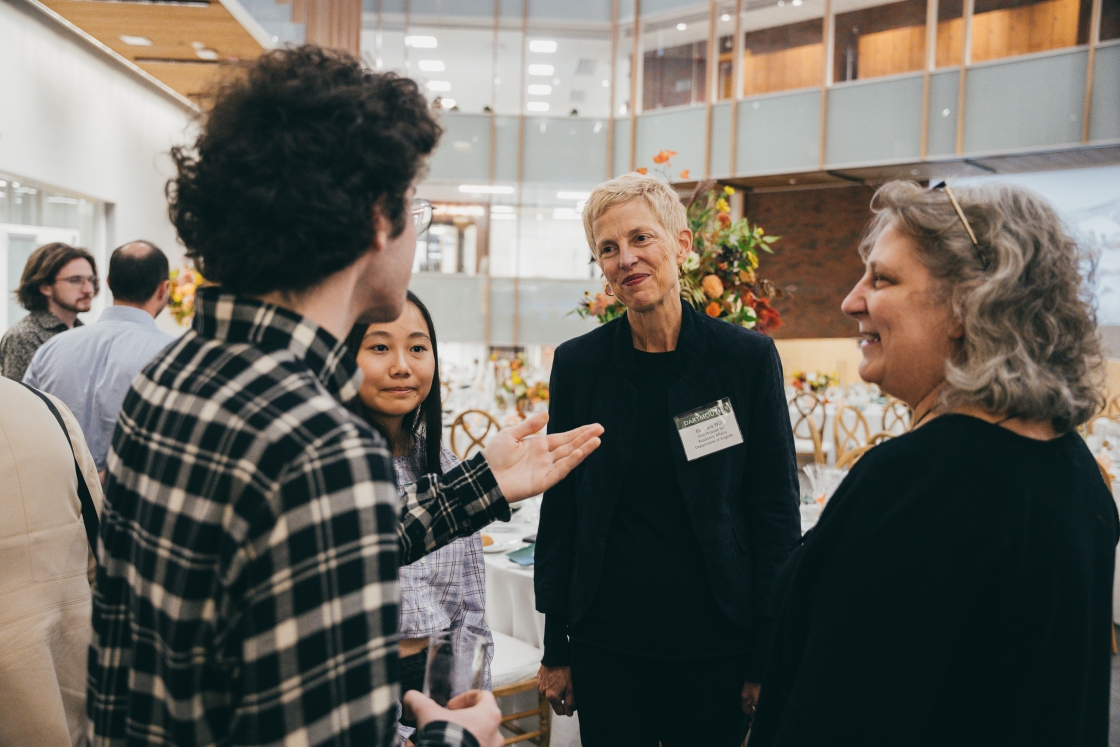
{"x": 957, "y": 590}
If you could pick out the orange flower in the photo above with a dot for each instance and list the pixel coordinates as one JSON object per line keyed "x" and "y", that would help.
{"x": 684, "y": 174}
{"x": 724, "y": 219}
{"x": 746, "y": 277}
{"x": 712, "y": 285}
{"x": 664, "y": 156}
{"x": 642, "y": 170}
{"x": 599, "y": 305}
{"x": 713, "y": 309}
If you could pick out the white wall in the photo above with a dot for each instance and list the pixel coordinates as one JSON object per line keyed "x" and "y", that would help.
{"x": 74, "y": 119}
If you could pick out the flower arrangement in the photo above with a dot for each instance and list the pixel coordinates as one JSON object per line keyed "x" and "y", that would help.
{"x": 185, "y": 282}
{"x": 720, "y": 275}
{"x": 513, "y": 384}
{"x": 813, "y": 381}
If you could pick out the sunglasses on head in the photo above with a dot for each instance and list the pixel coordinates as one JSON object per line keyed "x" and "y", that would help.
{"x": 964, "y": 221}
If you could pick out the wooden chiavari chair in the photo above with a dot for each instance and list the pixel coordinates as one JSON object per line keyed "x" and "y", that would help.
{"x": 845, "y": 437}
{"x": 1112, "y": 409}
{"x": 897, "y": 413}
{"x": 542, "y": 735}
{"x": 477, "y": 426}
{"x": 805, "y": 407}
{"x": 879, "y": 438}
{"x": 851, "y": 456}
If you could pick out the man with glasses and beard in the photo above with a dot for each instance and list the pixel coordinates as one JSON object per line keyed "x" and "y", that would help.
{"x": 59, "y": 282}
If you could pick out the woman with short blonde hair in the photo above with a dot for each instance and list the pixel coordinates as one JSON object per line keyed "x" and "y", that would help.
{"x": 654, "y": 561}
{"x": 957, "y": 589}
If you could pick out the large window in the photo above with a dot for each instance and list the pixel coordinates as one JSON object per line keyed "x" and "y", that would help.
{"x": 1005, "y": 28}
{"x": 33, "y": 214}
{"x": 783, "y": 46}
{"x": 882, "y": 39}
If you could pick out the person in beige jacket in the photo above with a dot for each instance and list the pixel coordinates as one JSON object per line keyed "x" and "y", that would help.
{"x": 46, "y": 572}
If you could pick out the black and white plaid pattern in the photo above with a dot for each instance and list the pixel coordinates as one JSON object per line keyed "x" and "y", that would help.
{"x": 247, "y": 573}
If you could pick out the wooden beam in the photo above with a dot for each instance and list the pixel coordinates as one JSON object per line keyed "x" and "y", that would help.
{"x": 930, "y": 64}
{"x": 634, "y": 64}
{"x": 336, "y": 24}
{"x": 1094, "y": 34}
{"x": 966, "y": 60}
{"x": 737, "y": 86}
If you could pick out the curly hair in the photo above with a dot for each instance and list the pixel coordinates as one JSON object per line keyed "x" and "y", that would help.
{"x": 1031, "y": 347}
{"x": 43, "y": 264}
{"x": 279, "y": 190}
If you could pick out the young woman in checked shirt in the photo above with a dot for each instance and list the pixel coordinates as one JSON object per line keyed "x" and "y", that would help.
{"x": 400, "y": 395}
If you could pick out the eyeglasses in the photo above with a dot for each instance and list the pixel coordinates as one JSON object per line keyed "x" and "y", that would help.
{"x": 79, "y": 281}
{"x": 964, "y": 221}
{"x": 421, "y": 214}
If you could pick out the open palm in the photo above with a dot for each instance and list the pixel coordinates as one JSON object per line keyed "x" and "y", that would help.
{"x": 525, "y": 464}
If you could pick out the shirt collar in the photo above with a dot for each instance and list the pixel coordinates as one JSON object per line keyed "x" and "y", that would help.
{"x": 226, "y": 317}
{"x": 127, "y": 314}
{"x": 49, "y": 321}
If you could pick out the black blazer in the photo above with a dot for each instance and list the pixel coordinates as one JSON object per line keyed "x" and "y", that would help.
{"x": 743, "y": 500}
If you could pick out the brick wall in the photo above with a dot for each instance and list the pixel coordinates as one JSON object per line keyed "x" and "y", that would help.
{"x": 816, "y": 260}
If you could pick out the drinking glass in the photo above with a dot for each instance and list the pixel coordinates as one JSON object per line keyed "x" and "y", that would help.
{"x": 454, "y": 665}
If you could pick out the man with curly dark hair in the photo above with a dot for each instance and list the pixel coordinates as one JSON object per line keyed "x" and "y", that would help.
{"x": 247, "y": 586}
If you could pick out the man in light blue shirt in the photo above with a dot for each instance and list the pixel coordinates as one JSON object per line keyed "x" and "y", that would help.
{"x": 90, "y": 368}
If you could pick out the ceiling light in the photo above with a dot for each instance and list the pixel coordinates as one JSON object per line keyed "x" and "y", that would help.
{"x": 439, "y": 85}
{"x": 136, "y": 41}
{"x": 420, "y": 42}
{"x": 502, "y": 216}
{"x": 206, "y": 54}
{"x": 537, "y": 106}
{"x": 565, "y": 214}
{"x": 542, "y": 45}
{"x": 606, "y": 83}
{"x": 725, "y": 17}
{"x": 431, "y": 66}
{"x": 541, "y": 70}
{"x": 573, "y": 195}
{"x": 198, "y": 45}
{"x": 484, "y": 189}
{"x": 797, "y": 2}
{"x": 682, "y": 26}
{"x": 3, "y": 183}
{"x": 501, "y": 208}
{"x": 539, "y": 89}
{"x": 447, "y": 103}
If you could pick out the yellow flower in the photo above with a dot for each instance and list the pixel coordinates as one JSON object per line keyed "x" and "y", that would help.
{"x": 722, "y": 205}
{"x": 728, "y": 191}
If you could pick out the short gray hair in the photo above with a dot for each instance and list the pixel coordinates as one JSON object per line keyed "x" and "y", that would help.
{"x": 662, "y": 199}
{"x": 1031, "y": 347}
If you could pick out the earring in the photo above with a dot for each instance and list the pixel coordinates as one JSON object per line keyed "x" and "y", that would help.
{"x": 608, "y": 291}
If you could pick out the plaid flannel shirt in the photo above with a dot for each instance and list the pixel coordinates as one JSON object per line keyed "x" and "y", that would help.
{"x": 247, "y": 571}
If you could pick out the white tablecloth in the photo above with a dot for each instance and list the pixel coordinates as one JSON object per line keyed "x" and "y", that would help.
{"x": 511, "y": 602}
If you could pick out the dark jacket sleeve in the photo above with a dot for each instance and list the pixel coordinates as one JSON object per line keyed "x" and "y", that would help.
{"x": 771, "y": 494}
{"x": 556, "y": 534}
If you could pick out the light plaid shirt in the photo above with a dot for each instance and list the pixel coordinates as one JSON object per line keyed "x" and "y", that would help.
{"x": 445, "y": 590}
{"x": 247, "y": 571}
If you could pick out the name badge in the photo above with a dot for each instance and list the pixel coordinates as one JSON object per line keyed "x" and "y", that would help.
{"x": 708, "y": 429}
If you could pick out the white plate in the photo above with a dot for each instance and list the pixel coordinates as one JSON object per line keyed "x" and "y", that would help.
{"x": 499, "y": 546}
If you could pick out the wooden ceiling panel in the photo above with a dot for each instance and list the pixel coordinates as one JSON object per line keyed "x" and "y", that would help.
{"x": 177, "y": 33}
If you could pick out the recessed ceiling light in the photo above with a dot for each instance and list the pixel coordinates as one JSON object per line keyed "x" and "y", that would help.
{"x": 431, "y": 66}
{"x": 447, "y": 104}
{"x": 797, "y": 2}
{"x": 539, "y": 90}
{"x": 573, "y": 195}
{"x": 439, "y": 85}
{"x": 542, "y": 45}
{"x": 565, "y": 214}
{"x": 206, "y": 54}
{"x": 420, "y": 42}
{"x": 725, "y": 17}
{"x": 136, "y": 41}
{"x": 484, "y": 189}
{"x": 606, "y": 83}
{"x": 541, "y": 70}
{"x": 682, "y": 26}
{"x": 537, "y": 106}
{"x": 501, "y": 208}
